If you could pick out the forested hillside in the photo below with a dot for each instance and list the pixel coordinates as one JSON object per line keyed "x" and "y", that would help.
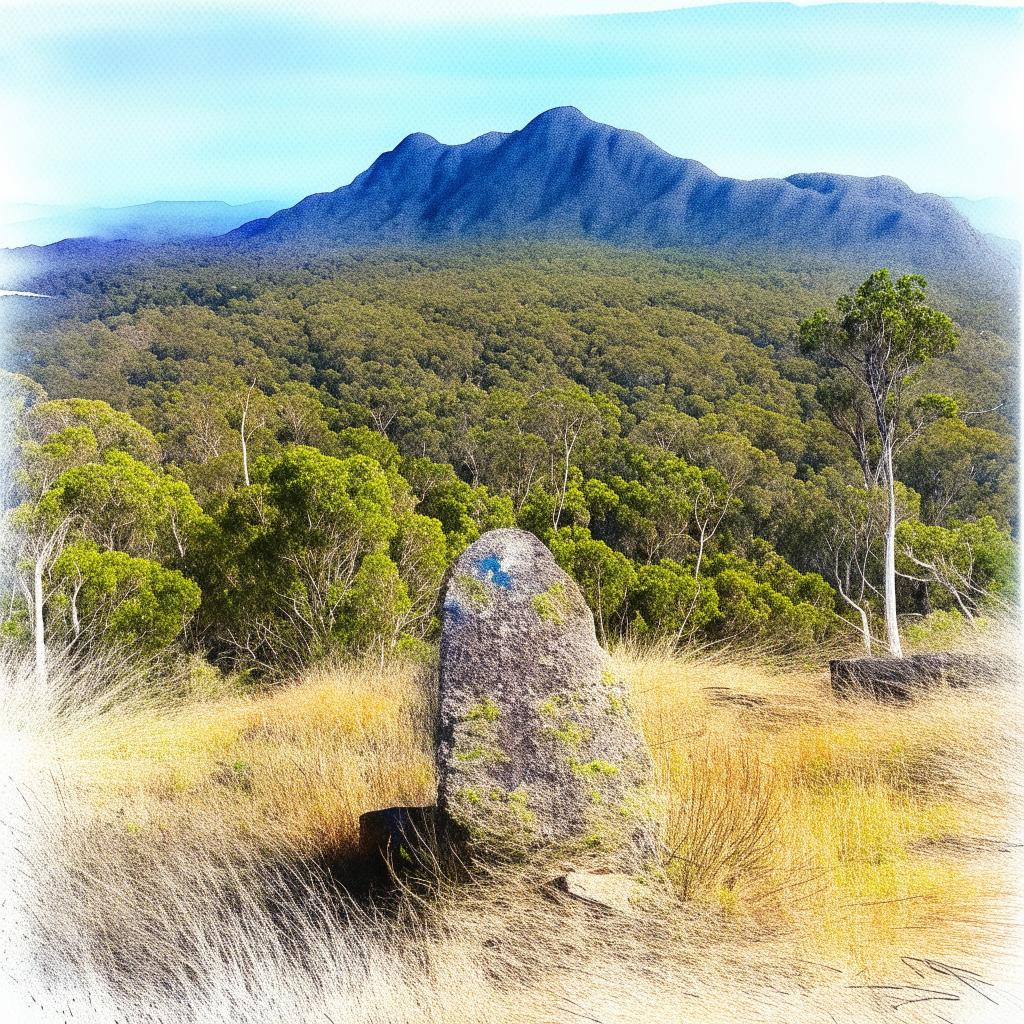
{"x": 308, "y": 445}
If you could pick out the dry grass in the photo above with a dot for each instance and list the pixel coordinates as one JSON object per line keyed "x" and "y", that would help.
{"x": 287, "y": 773}
{"x": 870, "y": 830}
{"x": 178, "y": 865}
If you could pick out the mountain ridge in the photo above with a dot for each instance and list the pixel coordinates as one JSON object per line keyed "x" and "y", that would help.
{"x": 563, "y": 175}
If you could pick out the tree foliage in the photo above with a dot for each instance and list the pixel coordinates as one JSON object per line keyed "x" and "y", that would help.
{"x": 870, "y": 349}
{"x": 110, "y": 600}
{"x": 704, "y": 466}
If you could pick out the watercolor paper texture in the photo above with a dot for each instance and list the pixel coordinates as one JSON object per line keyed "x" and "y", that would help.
{"x": 510, "y": 512}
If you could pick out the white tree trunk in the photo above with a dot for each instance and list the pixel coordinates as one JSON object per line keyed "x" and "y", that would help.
{"x": 892, "y": 629}
{"x": 245, "y": 446}
{"x": 858, "y": 607}
{"x": 865, "y": 631}
{"x": 567, "y": 448}
{"x": 38, "y": 626}
{"x": 76, "y": 624}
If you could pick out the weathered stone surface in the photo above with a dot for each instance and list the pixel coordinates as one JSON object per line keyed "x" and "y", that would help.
{"x": 537, "y": 747}
{"x": 902, "y": 678}
{"x": 611, "y": 890}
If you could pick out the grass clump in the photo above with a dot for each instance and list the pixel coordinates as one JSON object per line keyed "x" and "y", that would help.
{"x": 845, "y": 820}
{"x": 312, "y": 756}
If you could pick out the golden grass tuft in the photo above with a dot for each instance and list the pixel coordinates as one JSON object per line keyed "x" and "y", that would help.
{"x": 290, "y": 771}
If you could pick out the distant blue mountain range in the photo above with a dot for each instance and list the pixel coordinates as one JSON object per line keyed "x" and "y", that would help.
{"x": 561, "y": 176}
{"x": 157, "y": 222}
{"x": 1002, "y": 217}
{"x": 565, "y": 176}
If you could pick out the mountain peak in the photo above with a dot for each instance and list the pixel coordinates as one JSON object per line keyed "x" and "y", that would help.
{"x": 416, "y": 140}
{"x": 562, "y": 123}
{"x": 562, "y": 116}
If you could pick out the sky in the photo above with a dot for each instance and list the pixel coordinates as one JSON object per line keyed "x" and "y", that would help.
{"x": 113, "y": 105}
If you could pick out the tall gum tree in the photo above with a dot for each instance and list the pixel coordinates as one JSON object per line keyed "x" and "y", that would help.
{"x": 870, "y": 349}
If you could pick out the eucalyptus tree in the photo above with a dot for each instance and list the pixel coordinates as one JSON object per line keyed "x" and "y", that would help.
{"x": 91, "y": 526}
{"x": 870, "y": 348}
{"x": 971, "y": 564}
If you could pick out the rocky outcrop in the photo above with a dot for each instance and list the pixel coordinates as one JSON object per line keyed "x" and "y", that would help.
{"x": 537, "y": 747}
{"x": 397, "y": 835}
{"x": 609, "y": 891}
{"x": 903, "y": 678}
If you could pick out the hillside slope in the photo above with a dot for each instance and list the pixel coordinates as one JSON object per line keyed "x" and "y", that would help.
{"x": 156, "y": 222}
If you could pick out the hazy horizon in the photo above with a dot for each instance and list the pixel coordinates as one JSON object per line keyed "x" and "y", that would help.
{"x": 167, "y": 218}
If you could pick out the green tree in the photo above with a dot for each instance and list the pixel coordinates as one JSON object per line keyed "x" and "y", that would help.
{"x": 279, "y": 569}
{"x": 120, "y": 504}
{"x": 463, "y": 510}
{"x": 961, "y": 472}
{"x": 420, "y": 554}
{"x": 110, "y": 428}
{"x": 604, "y": 575}
{"x": 543, "y": 506}
{"x": 668, "y": 600}
{"x": 843, "y": 524}
{"x": 104, "y": 600}
{"x": 571, "y": 421}
{"x": 39, "y": 538}
{"x": 55, "y": 436}
{"x": 969, "y": 562}
{"x": 870, "y": 348}
{"x": 69, "y": 495}
{"x": 764, "y": 600}
{"x": 376, "y": 607}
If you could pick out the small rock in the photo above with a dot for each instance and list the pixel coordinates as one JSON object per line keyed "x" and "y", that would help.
{"x": 610, "y": 890}
{"x": 537, "y": 747}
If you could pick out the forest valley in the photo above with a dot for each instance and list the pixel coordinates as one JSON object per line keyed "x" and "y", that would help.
{"x": 275, "y": 462}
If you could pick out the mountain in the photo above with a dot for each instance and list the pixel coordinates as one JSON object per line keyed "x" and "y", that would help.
{"x": 148, "y": 222}
{"x": 564, "y": 175}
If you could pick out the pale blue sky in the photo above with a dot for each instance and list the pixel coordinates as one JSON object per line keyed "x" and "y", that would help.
{"x": 240, "y": 103}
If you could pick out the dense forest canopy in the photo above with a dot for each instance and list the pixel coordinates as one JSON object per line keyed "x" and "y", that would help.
{"x": 309, "y": 442}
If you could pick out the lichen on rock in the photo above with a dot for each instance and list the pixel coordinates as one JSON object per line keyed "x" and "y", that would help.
{"x": 553, "y": 605}
{"x": 537, "y": 748}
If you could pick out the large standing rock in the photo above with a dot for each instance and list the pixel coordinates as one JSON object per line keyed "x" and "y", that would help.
{"x": 537, "y": 746}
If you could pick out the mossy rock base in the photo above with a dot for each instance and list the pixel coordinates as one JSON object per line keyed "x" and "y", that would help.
{"x": 537, "y": 750}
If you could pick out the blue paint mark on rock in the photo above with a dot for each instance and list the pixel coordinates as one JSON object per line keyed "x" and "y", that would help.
{"x": 455, "y": 611}
{"x": 489, "y": 568}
